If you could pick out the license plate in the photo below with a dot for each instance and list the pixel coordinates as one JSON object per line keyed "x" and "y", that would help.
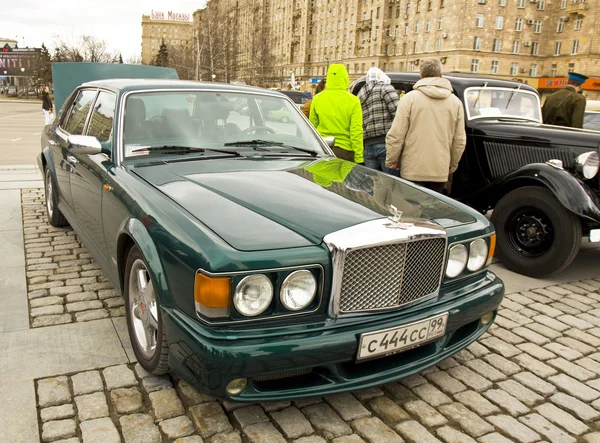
{"x": 393, "y": 340}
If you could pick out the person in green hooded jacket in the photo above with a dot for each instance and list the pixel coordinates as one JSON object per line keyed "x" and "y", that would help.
{"x": 335, "y": 112}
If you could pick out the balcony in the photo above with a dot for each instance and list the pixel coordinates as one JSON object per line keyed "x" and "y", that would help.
{"x": 364, "y": 24}
{"x": 576, "y": 8}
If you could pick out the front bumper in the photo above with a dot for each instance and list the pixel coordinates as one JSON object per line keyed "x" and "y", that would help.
{"x": 321, "y": 360}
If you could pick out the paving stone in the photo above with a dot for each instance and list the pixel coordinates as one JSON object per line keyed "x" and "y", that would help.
{"x": 84, "y": 306}
{"x": 515, "y": 317}
{"x": 318, "y": 439}
{"x": 512, "y": 427}
{"x": 57, "y": 412}
{"x": 388, "y": 411}
{"x": 477, "y": 349}
{"x": 432, "y": 395}
{"x": 119, "y": 377}
{"x": 562, "y": 418}
{"x": 399, "y": 393}
{"x": 33, "y": 295}
{"x": 166, "y": 404}
{"x": 413, "y": 381}
{"x": 506, "y": 335}
{"x": 223, "y": 437}
{"x": 575, "y": 322}
{"x": 577, "y": 407}
{"x": 567, "y": 307}
{"x": 187, "y": 393}
{"x": 156, "y": 383}
{"x": 470, "y": 422}
{"x": 425, "y": 413}
{"x": 574, "y": 388}
{"x": 592, "y": 438}
{"x": 249, "y": 415}
{"x": 82, "y": 296}
{"x": 69, "y": 440}
{"x": 114, "y": 302}
{"x": 506, "y": 401}
{"x": 51, "y": 320}
{"x": 446, "y": 383}
{"x": 451, "y": 435}
{"x": 53, "y": 391}
{"x": 345, "y": 439}
{"x": 485, "y": 370}
{"x": 263, "y": 433}
{"x": 46, "y": 301}
{"x": 551, "y": 323}
{"x": 326, "y": 421}
{"x": 584, "y": 337}
{"x": 272, "y": 406}
{"x": 520, "y": 392}
{"x": 64, "y": 290}
{"x": 477, "y": 403}
{"x": 126, "y": 400}
{"x": 413, "y": 432}
{"x": 87, "y": 382}
{"x": 91, "y": 406}
{"x": 502, "y": 364}
{"x": 47, "y": 310}
{"x": 209, "y": 419}
{"x": 449, "y": 362}
{"x": 292, "y": 422}
{"x": 470, "y": 378}
{"x": 139, "y": 428}
{"x": 535, "y": 383}
{"x": 91, "y": 315}
{"x": 373, "y": 430}
{"x": 177, "y": 427}
{"x": 545, "y": 428}
{"x": 571, "y": 369}
{"x": 368, "y": 394}
{"x": 536, "y": 351}
{"x": 233, "y": 405}
{"x": 545, "y": 309}
{"x": 58, "y": 429}
{"x": 589, "y": 364}
{"x": 348, "y": 407}
{"x": 535, "y": 366}
{"x": 494, "y": 438}
{"x": 101, "y": 430}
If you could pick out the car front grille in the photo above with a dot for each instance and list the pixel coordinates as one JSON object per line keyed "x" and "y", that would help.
{"x": 390, "y": 276}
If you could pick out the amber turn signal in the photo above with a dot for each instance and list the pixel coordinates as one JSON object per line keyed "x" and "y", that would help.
{"x": 212, "y": 295}
{"x": 492, "y": 249}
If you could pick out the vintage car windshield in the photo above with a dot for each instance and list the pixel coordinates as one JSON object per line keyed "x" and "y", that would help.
{"x": 502, "y": 102}
{"x": 213, "y": 119}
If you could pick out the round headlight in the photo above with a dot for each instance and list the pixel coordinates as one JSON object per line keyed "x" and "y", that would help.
{"x": 587, "y": 164}
{"x": 478, "y": 254}
{"x": 298, "y": 290}
{"x": 253, "y": 294}
{"x": 457, "y": 259}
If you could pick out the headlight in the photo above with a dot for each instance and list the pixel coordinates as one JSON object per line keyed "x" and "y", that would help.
{"x": 457, "y": 259}
{"x": 478, "y": 254}
{"x": 587, "y": 164}
{"x": 298, "y": 290}
{"x": 253, "y": 294}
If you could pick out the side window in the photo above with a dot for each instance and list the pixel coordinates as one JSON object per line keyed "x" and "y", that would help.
{"x": 78, "y": 112}
{"x": 101, "y": 122}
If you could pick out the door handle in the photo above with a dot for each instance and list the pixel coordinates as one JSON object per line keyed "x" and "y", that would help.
{"x": 72, "y": 160}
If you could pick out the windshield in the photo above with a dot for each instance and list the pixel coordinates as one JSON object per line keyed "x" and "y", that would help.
{"x": 212, "y": 120}
{"x": 502, "y": 102}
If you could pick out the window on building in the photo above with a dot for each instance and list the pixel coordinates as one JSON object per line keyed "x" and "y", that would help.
{"x": 418, "y": 5}
{"x": 414, "y": 47}
{"x": 475, "y": 65}
{"x": 535, "y": 48}
{"x": 578, "y": 22}
{"x": 429, "y": 5}
{"x": 557, "y": 48}
{"x": 390, "y": 11}
{"x": 440, "y": 22}
{"x": 575, "y": 47}
{"x": 561, "y": 25}
{"x": 441, "y": 3}
{"x": 514, "y": 68}
{"x": 426, "y": 46}
{"x": 516, "y": 46}
{"x": 563, "y": 4}
{"x": 479, "y": 21}
{"x": 387, "y": 48}
{"x": 392, "y": 66}
{"x": 378, "y": 12}
{"x": 403, "y": 48}
{"x": 499, "y": 22}
{"x": 438, "y": 44}
{"x": 537, "y": 27}
{"x": 477, "y": 44}
{"x": 501, "y": 2}
{"x": 541, "y": 5}
{"x": 397, "y": 11}
{"x": 496, "y": 45}
{"x": 494, "y": 67}
{"x": 396, "y": 30}
{"x": 571, "y": 67}
{"x": 520, "y": 3}
{"x": 362, "y": 67}
{"x": 417, "y": 24}
{"x": 533, "y": 70}
{"x": 405, "y": 28}
{"x": 519, "y": 24}
{"x": 428, "y": 25}
{"x": 553, "y": 70}
{"x": 408, "y": 8}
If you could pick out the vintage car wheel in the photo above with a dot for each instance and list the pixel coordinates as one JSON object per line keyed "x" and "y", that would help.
{"x": 536, "y": 234}
{"x": 55, "y": 217}
{"x": 144, "y": 318}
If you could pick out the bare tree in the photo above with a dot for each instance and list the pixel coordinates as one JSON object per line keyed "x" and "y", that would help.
{"x": 85, "y": 48}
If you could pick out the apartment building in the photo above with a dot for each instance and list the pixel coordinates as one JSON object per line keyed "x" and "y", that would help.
{"x": 175, "y": 29}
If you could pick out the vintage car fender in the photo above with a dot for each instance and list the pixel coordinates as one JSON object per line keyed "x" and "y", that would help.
{"x": 136, "y": 230}
{"x": 571, "y": 192}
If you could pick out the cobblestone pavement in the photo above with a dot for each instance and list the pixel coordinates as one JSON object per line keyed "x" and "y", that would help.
{"x": 64, "y": 284}
{"x": 534, "y": 377}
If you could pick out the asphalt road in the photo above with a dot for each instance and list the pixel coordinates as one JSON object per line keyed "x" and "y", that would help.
{"x": 21, "y": 125}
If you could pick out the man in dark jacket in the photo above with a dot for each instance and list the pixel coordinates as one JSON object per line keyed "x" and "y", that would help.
{"x": 566, "y": 107}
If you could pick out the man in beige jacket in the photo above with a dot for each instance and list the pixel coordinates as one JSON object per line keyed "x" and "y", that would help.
{"x": 427, "y": 137}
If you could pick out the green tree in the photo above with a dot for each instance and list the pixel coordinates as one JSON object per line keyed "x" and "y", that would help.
{"x": 43, "y": 69}
{"x": 162, "y": 58}
{"x": 120, "y": 59}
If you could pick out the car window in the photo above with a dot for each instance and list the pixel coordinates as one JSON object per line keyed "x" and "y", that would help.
{"x": 591, "y": 120}
{"x": 101, "y": 121}
{"x": 297, "y": 97}
{"x": 502, "y": 102}
{"x": 75, "y": 120}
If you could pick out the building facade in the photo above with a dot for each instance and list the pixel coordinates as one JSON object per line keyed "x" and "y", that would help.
{"x": 175, "y": 29}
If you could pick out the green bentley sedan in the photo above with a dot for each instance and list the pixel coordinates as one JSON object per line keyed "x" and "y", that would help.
{"x": 253, "y": 263}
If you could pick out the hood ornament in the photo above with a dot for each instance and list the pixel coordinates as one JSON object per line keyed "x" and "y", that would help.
{"x": 396, "y": 218}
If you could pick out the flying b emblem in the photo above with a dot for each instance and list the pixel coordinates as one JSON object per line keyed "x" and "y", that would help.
{"x": 396, "y": 218}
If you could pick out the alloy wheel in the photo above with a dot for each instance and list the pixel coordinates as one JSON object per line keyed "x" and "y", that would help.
{"x": 49, "y": 196}
{"x": 143, "y": 308}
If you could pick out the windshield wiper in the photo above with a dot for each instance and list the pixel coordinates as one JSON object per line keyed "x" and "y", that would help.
{"x": 253, "y": 144}
{"x": 184, "y": 149}
{"x": 478, "y": 94}
{"x": 512, "y": 94}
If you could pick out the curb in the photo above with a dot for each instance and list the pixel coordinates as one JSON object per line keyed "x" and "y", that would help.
{"x": 19, "y": 100}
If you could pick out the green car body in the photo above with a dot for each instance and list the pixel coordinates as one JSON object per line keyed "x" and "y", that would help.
{"x": 270, "y": 213}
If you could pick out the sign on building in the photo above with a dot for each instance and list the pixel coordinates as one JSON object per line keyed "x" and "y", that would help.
{"x": 170, "y": 16}
{"x": 18, "y": 61}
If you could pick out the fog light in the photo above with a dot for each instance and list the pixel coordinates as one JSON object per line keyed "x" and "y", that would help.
{"x": 235, "y": 387}
{"x": 487, "y": 318}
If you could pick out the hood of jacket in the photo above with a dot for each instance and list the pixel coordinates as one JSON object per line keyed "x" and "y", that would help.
{"x": 434, "y": 87}
{"x": 337, "y": 77}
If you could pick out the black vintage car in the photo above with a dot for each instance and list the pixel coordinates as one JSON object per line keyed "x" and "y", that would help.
{"x": 541, "y": 181}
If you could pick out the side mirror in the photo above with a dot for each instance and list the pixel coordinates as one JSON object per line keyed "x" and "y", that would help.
{"x": 83, "y": 144}
{"x": 330, "y": 141}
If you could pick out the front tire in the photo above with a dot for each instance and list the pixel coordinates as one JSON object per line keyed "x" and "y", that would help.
{"x": 536, "y": 234}
{"x": 144, "y": 316}
{"x": 55, "y": 217}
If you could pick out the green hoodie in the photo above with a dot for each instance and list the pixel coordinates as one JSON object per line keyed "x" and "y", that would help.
{"x": 335, "y": 112}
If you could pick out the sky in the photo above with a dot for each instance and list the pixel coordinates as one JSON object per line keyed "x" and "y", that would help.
{"x": 117, "y": 22}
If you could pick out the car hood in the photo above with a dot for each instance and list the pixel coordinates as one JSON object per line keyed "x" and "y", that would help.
{"x": 530, "y": 132}
{"x": 259, "y": 204}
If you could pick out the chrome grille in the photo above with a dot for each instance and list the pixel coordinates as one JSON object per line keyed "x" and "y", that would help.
{"x": 390, "y": 276}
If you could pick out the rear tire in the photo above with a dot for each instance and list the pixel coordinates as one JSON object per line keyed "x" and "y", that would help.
{"x": 55, "y": 217}
{"x": 536, "y": 234}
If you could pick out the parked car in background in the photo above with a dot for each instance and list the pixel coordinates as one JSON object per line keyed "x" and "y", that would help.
{"x": 297, "y": 97}
{"x": 281, "y": 115}
{"x": 541, "y": 181}
{"x": 11, "y": 91}
{"x": 253, "y": 263}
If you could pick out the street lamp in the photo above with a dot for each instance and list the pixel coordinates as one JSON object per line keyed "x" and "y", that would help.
{"x": 213, "y": 77}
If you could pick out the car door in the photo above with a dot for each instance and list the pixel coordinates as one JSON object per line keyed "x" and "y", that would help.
{"x": 89, "y": 171}
{"x": 73, "y": 123}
